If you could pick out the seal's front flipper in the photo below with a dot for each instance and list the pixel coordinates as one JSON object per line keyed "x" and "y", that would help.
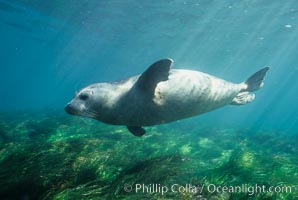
{"x": 136, "y": 130}
{"x": 243, "y": 98}
{"x": 157, "y": 72}
{"x": 255, "y": 82}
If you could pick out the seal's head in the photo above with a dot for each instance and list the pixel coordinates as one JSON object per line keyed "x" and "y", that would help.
{"x": 84, "y": 102}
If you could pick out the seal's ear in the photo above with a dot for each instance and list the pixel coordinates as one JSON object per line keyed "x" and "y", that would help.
{"x": 157, "y": 72}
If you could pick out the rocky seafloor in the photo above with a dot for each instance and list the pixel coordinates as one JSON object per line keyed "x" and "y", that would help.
{"x": 50, "y": 155}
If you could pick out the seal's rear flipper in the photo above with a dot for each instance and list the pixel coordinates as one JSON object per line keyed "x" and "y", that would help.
{"x": 157, "y": 72}
{"x": 136, "y": 130}
{"x": 255, "y": 82}
{"x": 243, "y": 98}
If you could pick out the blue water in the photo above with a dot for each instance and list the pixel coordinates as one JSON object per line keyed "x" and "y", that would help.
{"x": 51, "y": 49}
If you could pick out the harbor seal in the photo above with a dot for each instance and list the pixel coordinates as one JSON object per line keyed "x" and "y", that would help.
{"x": 161, "y": 95}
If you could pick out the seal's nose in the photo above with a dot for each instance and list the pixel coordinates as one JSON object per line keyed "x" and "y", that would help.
{"x": 69, "y": 109}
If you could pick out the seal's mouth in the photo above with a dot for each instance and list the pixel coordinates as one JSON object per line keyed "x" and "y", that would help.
{"x": 69, "y": 109}
{"x": 81, "y": 111}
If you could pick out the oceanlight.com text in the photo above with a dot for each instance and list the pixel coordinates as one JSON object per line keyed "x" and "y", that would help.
{"x": 210, "y": 188}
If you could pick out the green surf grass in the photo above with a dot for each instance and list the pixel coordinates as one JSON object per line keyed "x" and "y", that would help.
{"x": 56, "y": 156}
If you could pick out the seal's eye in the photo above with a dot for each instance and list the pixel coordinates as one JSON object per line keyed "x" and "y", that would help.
{"x": 83, "y": 97}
